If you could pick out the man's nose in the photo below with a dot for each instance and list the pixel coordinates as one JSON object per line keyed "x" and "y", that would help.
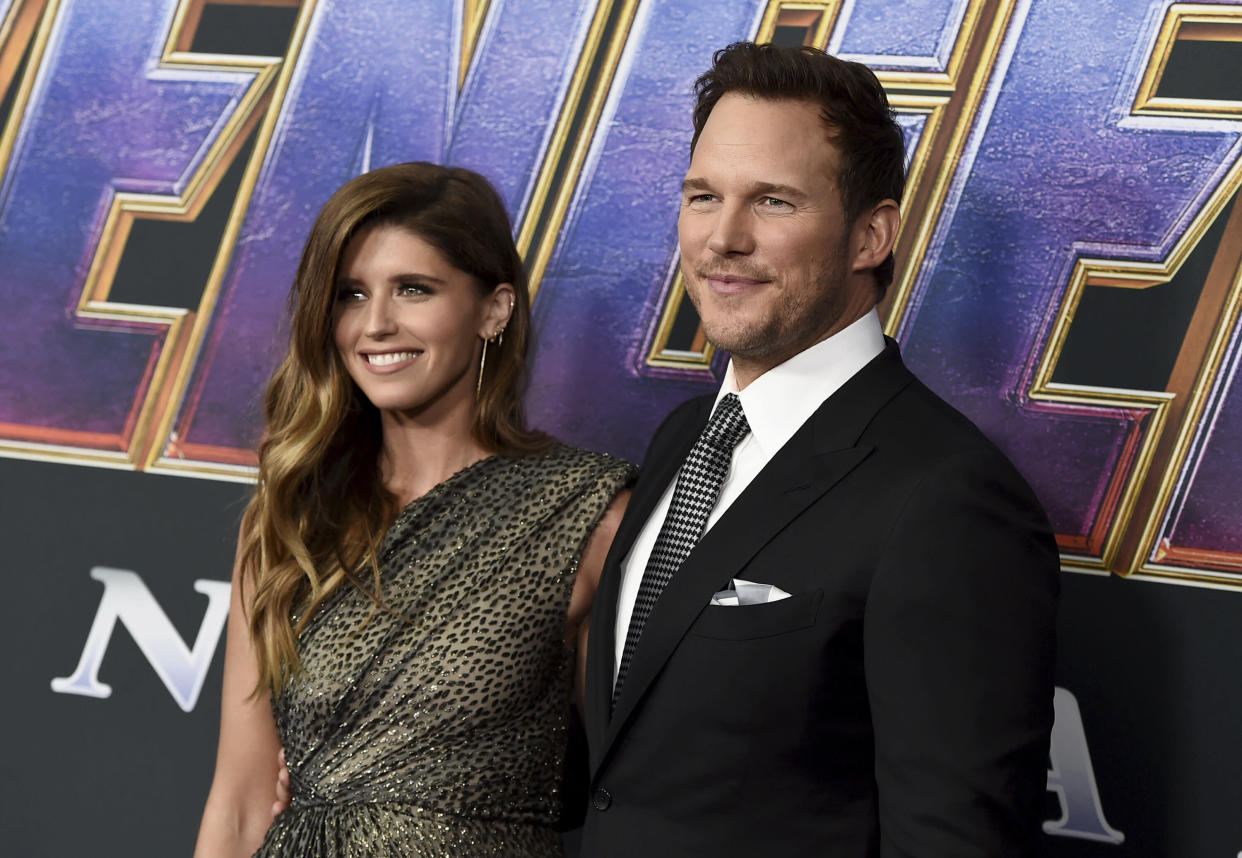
{"x": 732, "y": 231}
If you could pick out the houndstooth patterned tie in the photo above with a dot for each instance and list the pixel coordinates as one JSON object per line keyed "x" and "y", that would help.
{"x": 698, "y": 485}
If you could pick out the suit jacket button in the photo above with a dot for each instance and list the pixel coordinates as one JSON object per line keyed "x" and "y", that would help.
{"x": 602, "y": 799}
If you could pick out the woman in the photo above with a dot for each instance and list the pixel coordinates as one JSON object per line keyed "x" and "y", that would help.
{"x": 415, "y": 564}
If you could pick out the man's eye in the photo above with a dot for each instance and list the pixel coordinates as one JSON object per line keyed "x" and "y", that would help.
{"x": 700, "y": 199}
{"x": 774, "y": 203}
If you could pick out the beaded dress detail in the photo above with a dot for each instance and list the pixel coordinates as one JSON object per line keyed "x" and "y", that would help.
{"x": 437, "y": 727}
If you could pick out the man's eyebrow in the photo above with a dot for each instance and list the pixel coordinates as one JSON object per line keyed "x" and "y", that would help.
{"x": 756, "y": 189}
{"x": 774, "y": 190}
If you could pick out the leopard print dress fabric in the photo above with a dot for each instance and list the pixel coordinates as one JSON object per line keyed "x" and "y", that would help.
{"x": 437, "y": 727}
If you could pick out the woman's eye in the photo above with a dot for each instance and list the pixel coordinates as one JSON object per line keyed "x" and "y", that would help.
{"x": 346, "y": 296}
{"x": 412, "y": 289}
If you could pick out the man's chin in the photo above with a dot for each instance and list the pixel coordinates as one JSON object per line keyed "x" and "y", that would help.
{"x": 744, "y": 344}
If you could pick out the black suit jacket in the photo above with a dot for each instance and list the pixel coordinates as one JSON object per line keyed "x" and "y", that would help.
{"x": 899, "y": 703}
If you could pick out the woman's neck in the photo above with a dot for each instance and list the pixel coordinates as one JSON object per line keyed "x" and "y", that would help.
{"x": 415, "y": 457}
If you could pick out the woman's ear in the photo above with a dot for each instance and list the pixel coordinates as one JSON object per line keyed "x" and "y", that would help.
{"x": 498, "y": 311}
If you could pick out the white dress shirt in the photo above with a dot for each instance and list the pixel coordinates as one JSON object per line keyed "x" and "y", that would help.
{"x": 776, "y": 403}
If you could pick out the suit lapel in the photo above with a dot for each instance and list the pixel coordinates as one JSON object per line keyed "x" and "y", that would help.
{"x": 776, "y": 496}
{"x": 819, "y": 455}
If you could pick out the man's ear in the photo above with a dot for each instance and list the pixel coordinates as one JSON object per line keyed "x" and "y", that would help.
{"x": 498, "y": 311}
{"x": 875, "y": 233}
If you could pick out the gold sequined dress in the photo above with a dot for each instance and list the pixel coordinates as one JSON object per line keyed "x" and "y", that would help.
{"x": 439, "y": 728}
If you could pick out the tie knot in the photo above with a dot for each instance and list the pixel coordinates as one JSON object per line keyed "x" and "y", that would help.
{"x": 728, "y": 424}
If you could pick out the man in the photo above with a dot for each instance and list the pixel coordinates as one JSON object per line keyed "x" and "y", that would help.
{"x": 855, "y": 657}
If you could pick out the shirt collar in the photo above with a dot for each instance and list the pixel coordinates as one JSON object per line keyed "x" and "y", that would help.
{"x": 783, "y": 398}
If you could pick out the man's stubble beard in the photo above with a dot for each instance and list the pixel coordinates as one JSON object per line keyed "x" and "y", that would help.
{"x": 780, "y": 335}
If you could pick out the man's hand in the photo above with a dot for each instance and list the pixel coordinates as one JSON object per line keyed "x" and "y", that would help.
{"x": 282, "y": 787}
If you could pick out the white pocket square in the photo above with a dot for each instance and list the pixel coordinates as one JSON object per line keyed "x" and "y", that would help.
{"x": 742, "y": 592}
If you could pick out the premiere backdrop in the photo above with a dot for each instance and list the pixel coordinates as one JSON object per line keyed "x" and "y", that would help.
{"x": 1069, "y": 276}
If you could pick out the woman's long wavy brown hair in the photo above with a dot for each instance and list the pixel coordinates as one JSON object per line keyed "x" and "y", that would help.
{"x": 320, "y": 507}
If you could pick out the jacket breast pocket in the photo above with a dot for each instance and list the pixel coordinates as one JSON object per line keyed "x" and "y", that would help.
{"x": 746, "y": 622}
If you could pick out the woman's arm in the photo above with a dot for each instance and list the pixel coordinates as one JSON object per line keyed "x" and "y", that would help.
{"x": 589, "y": 569}
{"x": 239, "y": 806}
